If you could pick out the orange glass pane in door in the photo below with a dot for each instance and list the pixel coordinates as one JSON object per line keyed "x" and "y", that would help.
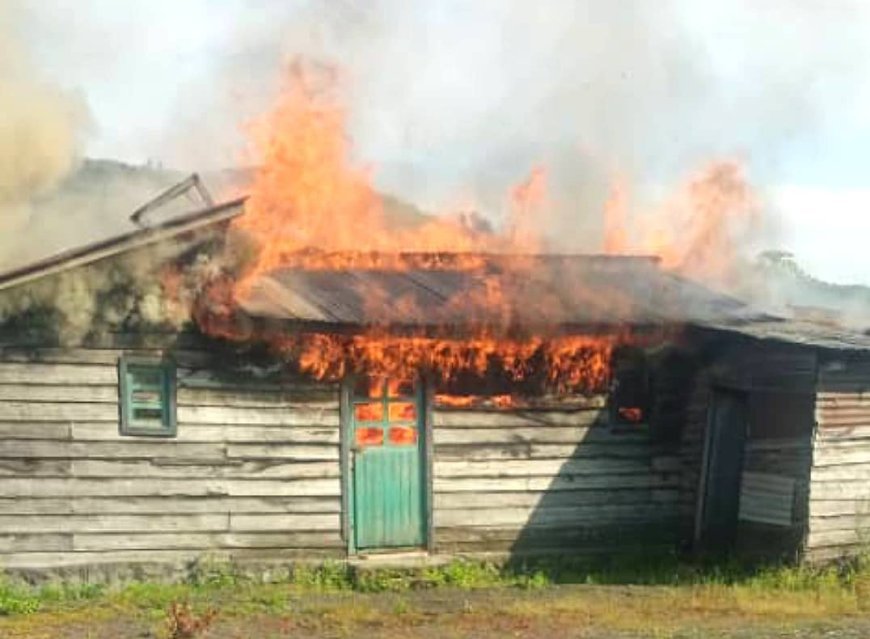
{"x": 403, "y": 435}
{"x": 369, "y": 436}
{"x": 403, "y": 412}
{"x": 373, "y": 412}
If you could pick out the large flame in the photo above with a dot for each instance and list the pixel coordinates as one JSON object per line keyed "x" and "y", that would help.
{"x": 311, "y": 206}
{"x": 308, "y": 193}
{"x": 563, "y": 363}
{"x": 700, "y": 231}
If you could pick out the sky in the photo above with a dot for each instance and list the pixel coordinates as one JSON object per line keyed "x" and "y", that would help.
{"x": 456, "y": 100}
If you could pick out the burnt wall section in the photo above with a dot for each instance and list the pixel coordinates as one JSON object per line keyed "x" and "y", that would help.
{"x": 839, "y": 506}
{"x": 550, "y": 481}
{"x": 253, "y": 474}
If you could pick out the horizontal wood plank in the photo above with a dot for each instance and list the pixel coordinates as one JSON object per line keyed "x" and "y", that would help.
{"x": 126, "y": 448}
{"x": 112, "y": 523}
{"x": 85, "y": 468}
{"x": 294, "y": 452}
{"x": 538, "y": 468}
{"x": 127, "y": 487}
{"x": 515, "y": 418}
{"x": 535, "y": 435}
{"x": 205, "y": 542}
{"x": 493, "y": 452}
{"x": 70, "y": 374}
{"x": 218, "y": 434}
{"x": 260, "y": 522}
{"x": 46, "y": 542}
{"x": 54, "y": 412}
{"x": 301, "y": 416}
{"x": 558, "y": 483}
{"x": 95, "y": 559}
{"x": 168, "y": 505}
{"x": 458, "y": 501}
{"x": 544, "y": 516}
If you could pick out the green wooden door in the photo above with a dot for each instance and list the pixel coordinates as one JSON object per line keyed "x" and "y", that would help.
{"x": 387, "y": 465}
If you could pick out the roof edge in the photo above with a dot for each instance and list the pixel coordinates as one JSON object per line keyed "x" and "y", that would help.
{"x": 90, "y": 253}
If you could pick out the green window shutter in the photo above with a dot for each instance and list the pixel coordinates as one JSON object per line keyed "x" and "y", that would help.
{"x": 147, "y": 397}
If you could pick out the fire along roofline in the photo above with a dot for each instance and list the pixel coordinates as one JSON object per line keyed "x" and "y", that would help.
{"x": 138, "y": 238}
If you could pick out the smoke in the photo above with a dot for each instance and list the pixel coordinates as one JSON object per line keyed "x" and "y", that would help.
{"x": 451, "y": 105}
{"x": 153, "y": 287}
{"x": 41, "y": 130}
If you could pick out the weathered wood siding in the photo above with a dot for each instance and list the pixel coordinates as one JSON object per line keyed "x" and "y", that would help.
{"x": 549, "y": 481}
{"x": 776, "y": 470}
{"x": 779, "y": 381}
{"x": 839, "y": 513}
{"x": 253, "y": 473}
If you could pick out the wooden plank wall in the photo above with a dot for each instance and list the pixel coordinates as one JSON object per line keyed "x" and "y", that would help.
{"x": 253, "y": 474}
{"x": 839, "y": 513}
{"x": 777, "y": 446}
{"x": 549, "y": 481}
{"x": 773, "y": 496}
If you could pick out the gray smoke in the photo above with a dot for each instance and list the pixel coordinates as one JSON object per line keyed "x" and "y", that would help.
{"x": 41, "y": 131}
{"x": 454, "y": 102}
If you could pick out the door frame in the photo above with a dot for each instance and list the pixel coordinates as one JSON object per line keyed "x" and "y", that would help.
{"x": 348, "y": 531}
{"x": 701, "y": 500}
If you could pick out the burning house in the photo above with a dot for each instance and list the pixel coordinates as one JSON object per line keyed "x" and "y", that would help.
{"x": 306, "y": 374}
{"x": 348, "y": 403}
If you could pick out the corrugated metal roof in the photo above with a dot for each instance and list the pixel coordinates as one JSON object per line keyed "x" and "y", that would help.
{"x": 798, "y": 332}
{"x": 540, "y": 290}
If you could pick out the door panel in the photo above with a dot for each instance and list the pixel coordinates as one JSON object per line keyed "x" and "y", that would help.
{"x": 388, "y": 481}
{"x": 726, "y": 440}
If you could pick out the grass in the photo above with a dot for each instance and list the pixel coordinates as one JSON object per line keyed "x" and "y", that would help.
{"x": 642, "y": 593}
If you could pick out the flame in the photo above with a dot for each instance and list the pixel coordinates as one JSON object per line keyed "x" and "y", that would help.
{"x": 631, "y": 414}
{"x": 312, "y": 206}
{"x": 699, "y": 232}
{"x": 565, "y": 363}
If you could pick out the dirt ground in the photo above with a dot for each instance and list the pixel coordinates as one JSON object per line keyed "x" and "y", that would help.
{"x": 547, "y": 613}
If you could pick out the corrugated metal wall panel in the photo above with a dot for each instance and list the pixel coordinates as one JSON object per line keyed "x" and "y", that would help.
{"x": 839, "y": 513}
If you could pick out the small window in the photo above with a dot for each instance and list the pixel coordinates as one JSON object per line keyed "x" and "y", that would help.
{"x": 147, "y": 397}
{"x": 629, "y": 394}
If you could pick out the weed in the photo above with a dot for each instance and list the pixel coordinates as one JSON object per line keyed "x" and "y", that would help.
{"x": 71, "y": 592}
{"x": 182, "y": 623}
{"x": 213, "y": 573}
{"x": 16, "y": 602}
{"x": 401, "y": 607}
{"x": 327, "y": 577}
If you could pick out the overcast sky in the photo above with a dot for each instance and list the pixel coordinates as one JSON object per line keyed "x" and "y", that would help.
{"x": 459, "y": 98}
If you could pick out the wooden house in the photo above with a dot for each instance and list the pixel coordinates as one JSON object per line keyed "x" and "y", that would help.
{"x": 131, "y": 448}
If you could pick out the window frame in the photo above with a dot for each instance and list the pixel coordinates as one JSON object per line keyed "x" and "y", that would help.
{"x": 169, "y": 420}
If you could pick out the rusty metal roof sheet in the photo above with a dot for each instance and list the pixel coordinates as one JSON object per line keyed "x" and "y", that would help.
{"x": 540, "y": 290}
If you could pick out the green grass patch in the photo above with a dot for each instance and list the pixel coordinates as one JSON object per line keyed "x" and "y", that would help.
{"x": 234, "y": 592}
